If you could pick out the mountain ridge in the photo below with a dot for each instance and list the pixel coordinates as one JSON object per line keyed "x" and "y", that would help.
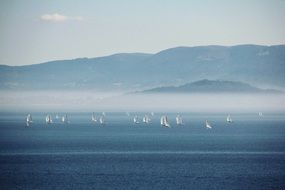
{"x": 255, "y": 64}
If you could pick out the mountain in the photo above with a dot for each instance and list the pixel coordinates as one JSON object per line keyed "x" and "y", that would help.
{"x": 254, "y": 64}
{"x": 211, "y": 86}
{"x": 82, "y": 73}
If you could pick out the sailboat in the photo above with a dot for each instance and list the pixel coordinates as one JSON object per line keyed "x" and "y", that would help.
{"x": 93, "y": 118}
{"x": 179, "y": 120}
{"x": 146, "y": 119}
{"x": 208, "y": 126}
{"x": 136, "y": 120}
{"x": 260, "y": 114}
{"x": 164, "y": 122}
{"x": 152, "y": 113}
{"x": 64, "y": 119}
{"x": 48, "y": 119}
{"x": 229, "y": 119}
{"x": 102, "y": 120}
{"x": 29, "y": 120}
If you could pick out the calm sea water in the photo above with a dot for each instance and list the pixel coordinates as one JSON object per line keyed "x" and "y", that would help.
{"x": 247, "y": 154}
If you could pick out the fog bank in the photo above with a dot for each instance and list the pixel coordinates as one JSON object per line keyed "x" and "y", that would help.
{"x": 76, "y": 101}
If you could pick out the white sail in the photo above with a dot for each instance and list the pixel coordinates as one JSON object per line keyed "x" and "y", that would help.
{"x": 208, "y": 125}
{"x": 104, "y": 114}
{"x": 48, "y": 119}
{"x": 229, "y": 119}
{"x": 102, "y": 120}
{"x": 56, "y": 116}
{"x": 164, "y": 122}
{"x": 152, "y": 113}
{"x": 29, "y": 120}
{"x": 146, "y": 119}
{"x": 179, "y": 120}
{"x": 64, "y": 119}
{"x": 260, "y": 114}
{"x": 93, "y": 118}
{"x": 136, "y": 120}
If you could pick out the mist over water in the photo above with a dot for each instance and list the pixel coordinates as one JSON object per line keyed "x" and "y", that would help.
{"x": 118, "y": 101}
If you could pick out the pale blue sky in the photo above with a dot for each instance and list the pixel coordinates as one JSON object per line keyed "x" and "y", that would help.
{"x": 34, "y": 31}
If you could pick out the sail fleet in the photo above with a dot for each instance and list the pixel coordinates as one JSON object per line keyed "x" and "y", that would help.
{"x": 48, "y": 119}
{"x": 164, "y": 121}
{"x": 98, "y": 119}
{"x": 146, "y": 119}
{"x": 136, "y": 120}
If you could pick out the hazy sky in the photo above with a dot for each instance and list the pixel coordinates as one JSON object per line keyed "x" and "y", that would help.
{"x": 35, "y": 31}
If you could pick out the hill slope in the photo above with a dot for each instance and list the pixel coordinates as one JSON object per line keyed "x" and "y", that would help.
{"x": 211, "y": 86}
{"x": 258, "y": 65}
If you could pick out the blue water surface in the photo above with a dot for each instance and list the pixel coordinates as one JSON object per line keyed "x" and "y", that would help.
{"x": 246, "y": 154}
